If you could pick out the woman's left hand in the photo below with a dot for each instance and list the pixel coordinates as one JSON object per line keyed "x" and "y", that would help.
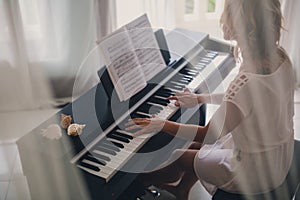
{"x": 145, "y": 125}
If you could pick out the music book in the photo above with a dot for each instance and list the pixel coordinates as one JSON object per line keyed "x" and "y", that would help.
{"x": 132, "y": 57}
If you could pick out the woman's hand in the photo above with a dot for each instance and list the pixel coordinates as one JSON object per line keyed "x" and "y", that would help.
{"x": 145, "y": 125}
{"x": 185, "y": 99}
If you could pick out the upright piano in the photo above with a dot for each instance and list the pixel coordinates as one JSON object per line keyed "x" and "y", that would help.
{"x": 105, "y": 160}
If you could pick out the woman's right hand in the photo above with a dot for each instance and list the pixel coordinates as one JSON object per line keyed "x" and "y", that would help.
{"x": 185, "y": 99}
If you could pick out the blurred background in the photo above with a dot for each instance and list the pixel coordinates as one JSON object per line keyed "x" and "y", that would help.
{"x": 43, "y": 46}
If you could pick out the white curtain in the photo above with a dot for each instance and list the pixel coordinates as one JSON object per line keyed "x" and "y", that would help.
{"x": 46, "y": 41}
{"x": 160, "y": 12}
{"x": 290, "y": 37}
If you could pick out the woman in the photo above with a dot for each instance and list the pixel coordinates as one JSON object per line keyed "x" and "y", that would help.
{"x": 254, "y": 123}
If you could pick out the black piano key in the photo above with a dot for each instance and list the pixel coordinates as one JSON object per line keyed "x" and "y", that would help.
{"x": 119, "y": 138}
{"x": 121, "y": 146}
{"x": 213, "y": 54}
{"x": 155, "y": 106}
{"x": 154, "y": 109}
{"x": 182, "y": 77}
{"x": 124, "y": 135}
{"x": 205, "y": 61}
{"x": 105, "y": 150}
{"x": 109, "y": 145}
{"x": 177, "y": 83}
{"x": 206, "y": 58}
{"x": 100, "y": 157}
{"x": 92, "y": 167}
{"x": 191, "y": 69}
{"x": 149, "y": 109}
{"x": 177, "y": 87}
{"x": 186, "y": 76}
{"x": 210, "y": 56}
{"x": 202, "y": 64}
{"x": 138, "y": 115}
{"x": 165, "y": 93}
{"x": 163, "y": 102}
{"x": 144, "y": 109}
{"x": 93, "y": 159}
{"x": 188, "y": 71}
{"x": 184, "y": 81}
{"x": 199, "y": 67}
{"x": 184, "y": 72}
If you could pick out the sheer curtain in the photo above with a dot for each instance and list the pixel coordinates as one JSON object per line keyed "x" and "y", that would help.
{"x": 290, "y": 37}
{"x": 161, "y": 13}
{"x": 46, "y": 41}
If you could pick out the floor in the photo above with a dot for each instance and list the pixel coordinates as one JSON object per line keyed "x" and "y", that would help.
{"x": 13, "y": 184}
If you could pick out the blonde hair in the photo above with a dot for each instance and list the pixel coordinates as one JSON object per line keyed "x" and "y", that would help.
{"x": 256, "y": 26}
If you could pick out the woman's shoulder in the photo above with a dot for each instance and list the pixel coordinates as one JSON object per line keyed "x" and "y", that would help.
{"x": 237, "y": 84}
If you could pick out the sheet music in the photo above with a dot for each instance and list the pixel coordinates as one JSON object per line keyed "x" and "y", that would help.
{"x": 132, "y": 57}
{"x": 123, "y": 64}
{"x": 146, "y": 46}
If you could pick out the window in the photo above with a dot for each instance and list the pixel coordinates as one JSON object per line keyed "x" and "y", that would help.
{"x": 191, "y": 10}
{"x": 211, "y": 6}
{"x": 194, "y": 8}
{"x": 189, "y": 6}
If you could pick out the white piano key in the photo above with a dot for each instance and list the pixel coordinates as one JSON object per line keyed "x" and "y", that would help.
{"x": 155, "y": 104}
{"x": 142, "y": 113}
{"x": 181, "y": 84}
{"x": 160, "y": 97}
{"x": 112, "y": 157}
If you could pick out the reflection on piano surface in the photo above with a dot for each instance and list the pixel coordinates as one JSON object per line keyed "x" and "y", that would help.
{"x": 105, "y": 149}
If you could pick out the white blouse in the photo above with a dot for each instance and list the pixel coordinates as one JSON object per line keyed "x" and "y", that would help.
{"x": 256, "y": 156}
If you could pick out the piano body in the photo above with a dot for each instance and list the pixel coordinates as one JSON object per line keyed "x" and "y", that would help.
{"x": 104, "y": 161}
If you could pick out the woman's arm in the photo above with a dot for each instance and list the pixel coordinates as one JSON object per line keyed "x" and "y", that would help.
{"x": 147, "y": 125}
{"x": 186, "y": 131}
{"x": 210, "y": 98}
{"x": 188, "y": 99}
{"x": 224, "y": 120}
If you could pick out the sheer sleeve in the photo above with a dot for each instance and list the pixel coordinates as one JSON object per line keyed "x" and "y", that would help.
{"x": 238, "y": 93}
{"x": 235, "y": 107}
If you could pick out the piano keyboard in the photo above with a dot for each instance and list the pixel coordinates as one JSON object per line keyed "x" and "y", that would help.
{"x": 106, "y": 156}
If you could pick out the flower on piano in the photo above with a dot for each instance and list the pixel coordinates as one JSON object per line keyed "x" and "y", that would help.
{"x": 65, "y": 120}
{"x": 75, "y": 129}
{"x": 53, "y": 131}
